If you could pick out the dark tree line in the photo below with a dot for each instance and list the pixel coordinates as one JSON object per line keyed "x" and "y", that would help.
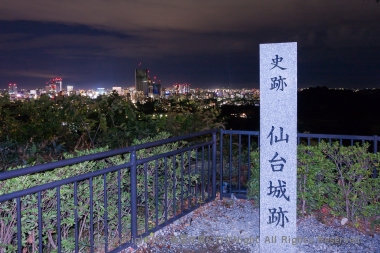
{"x": 41, "y": 130}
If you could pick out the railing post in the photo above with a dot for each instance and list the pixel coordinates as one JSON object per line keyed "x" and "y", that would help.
{"x": 375, "y": 172}
{"x": 375, "y": 140}
{"x": 214, "y": 165}
{"x": 221, "y": 165}
{"x": 133, "y": 197}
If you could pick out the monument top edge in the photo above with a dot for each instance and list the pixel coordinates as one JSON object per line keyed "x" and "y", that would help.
{"x": 278, "y": 43}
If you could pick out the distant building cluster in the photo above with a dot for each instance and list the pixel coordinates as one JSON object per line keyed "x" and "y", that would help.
{"x": 145, "y": 88}
{"x": 54, "y": 85}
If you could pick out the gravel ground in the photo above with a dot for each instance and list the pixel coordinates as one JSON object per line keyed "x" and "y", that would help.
{"x": 233, "y": 226}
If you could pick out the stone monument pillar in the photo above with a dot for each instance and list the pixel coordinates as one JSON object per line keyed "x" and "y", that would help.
{"x": 278, "y": 147}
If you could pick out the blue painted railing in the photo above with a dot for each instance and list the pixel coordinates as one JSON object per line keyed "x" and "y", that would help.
{"x": 194, "y": 183}
{"x": 235, "y": 147}
{"x": 145, "y": 191}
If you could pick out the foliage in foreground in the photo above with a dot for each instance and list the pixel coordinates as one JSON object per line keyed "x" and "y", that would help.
{"x": 333, "y": 175}
{"x": 173, "y": 192}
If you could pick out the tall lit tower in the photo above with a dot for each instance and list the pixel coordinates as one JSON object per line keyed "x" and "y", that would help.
{"x": 156, "y": 87}
{"x": 10, "y": 88}
{"x": 15, "y": 88}
{"x": 58, "y": 82}
{"x": 141, "y": 81}
{"x": 70, "y": 89}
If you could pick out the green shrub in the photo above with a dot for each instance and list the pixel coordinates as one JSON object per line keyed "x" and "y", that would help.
{"x": 314, "y": 178}
{"x": 168, "y": 200}
{"x": 333, "y": 175}
{"x": 254, "y": 182}
{"x": 357, "y": 192}
{"x": 29, "y": 207}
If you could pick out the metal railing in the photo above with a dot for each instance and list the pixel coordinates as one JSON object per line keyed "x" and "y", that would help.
{"x": 236, "y": 147}
{"x": 346, "y": 140}
{"x": 124, "y": 194}
{"x": 121, "y": 195}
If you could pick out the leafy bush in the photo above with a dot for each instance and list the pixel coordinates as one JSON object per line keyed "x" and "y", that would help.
{"x": 254, "y": 182}
{"x": 333, "y": 175}
{"x": 357, "y": 192}
{"x": 29, "y": 206}
{"x": 177, "y": 189}
{"x": 315, "y": 176}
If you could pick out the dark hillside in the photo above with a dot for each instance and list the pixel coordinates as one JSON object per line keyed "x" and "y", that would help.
{"x": 339, "y": 111}
{"x": 321, "y": 110}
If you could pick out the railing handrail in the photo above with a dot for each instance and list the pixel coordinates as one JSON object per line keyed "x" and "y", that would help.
{"x": 374, "y": 138}
{"x": 337, "y": 136}
{"x": 174, "y": 152}
{"x": 97, "y": 156}
{"x": 322, "y": 136}
{"x": 240, "y": 132}
{"x": 61, "y": 182}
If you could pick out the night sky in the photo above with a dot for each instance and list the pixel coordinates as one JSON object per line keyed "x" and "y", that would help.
{"x": 207, "y": 43}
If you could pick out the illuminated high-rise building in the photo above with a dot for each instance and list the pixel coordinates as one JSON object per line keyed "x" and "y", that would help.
{"x": 70, "y": 89}
{"x": 58, "y": 82}
{"x": 101, "y": 91}
{"x": 157, "y": 89}
{"x": 141, "y": 81}
{"x": 55, "y": 84}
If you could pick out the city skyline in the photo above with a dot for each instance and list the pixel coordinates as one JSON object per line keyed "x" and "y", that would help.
{"x": 209, "y": 44}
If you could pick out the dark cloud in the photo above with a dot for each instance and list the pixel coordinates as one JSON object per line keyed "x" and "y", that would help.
{"x": 214, "y": 42}
{"x": 29, "y": 73}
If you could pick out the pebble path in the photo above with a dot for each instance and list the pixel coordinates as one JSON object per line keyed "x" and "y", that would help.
{"x": 233, "y": 226}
